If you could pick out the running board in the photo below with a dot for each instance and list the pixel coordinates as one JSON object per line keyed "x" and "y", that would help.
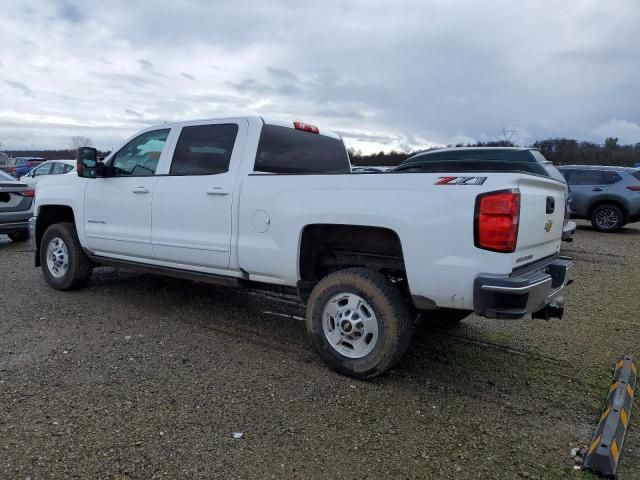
{"x": 168, "y": 271}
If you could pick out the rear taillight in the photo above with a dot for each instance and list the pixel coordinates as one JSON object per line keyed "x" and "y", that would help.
{"x": 634, "y": 188}
{"x": 29, "y": 193}
{"x": 496, "y": 220}
{"x": 307, "y": 127}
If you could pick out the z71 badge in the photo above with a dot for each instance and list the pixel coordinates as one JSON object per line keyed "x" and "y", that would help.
{"x": 460, "y": 180}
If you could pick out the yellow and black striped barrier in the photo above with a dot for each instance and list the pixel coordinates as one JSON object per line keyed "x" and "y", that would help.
{"x": 603, "y": 455}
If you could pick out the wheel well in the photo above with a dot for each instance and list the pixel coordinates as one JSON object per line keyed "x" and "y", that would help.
{"x": 607, "y": 201}
{"x": 325, "y": 248}
{"x": 48, "y": 215}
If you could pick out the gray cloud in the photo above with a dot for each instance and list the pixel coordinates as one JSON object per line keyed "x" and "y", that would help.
{"x": 121, "y": 80}
{"x": 386, "y": 77}
{"x": 70, "y": 12}
{"x": 145, "y": 64}
{"x": 282, "y": 73}
{"x": 20, "y": 86}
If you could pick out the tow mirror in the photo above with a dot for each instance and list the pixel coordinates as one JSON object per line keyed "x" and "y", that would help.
{"x": 87, "y": 163}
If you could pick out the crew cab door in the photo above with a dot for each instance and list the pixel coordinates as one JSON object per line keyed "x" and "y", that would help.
{"x": 192, "y": 203}
{"x": 117, "y": 211}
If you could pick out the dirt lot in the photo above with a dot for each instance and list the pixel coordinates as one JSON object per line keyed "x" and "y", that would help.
{"x": 146, "y": 377}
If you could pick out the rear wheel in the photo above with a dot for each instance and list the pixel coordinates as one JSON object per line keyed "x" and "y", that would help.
{"x": 358, "y": 322}
{"x": 65, "y": 266}
{"x": 607, "y": 218}
{"x": 19, "y": 236}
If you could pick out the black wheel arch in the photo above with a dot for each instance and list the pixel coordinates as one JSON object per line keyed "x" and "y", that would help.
{"x": 47, "y": 216}
{"x": 326, "y": 248}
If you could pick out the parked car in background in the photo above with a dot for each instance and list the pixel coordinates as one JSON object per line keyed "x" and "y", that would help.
{"x": 609, "y": 197}
{"x": 50, "y": 167}
{"x": 16, "y": 207}
{"x": 5, "y": 162}
{"x": 490, "y": 159}
{"x": 370, "y": 169}
{"x": 366, "y": 170}
{"x": 23, "y": 165}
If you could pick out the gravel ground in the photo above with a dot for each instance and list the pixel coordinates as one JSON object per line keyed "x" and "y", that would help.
{"x": 139, "y": 377}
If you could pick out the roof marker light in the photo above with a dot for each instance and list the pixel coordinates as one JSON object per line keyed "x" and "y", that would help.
{"x": 307, "y": 127}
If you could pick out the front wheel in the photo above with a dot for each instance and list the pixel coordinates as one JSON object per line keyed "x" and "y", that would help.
{"x": 358, "y": 322}
{"x": 607, "y": 218}
{"x": 65, "y": 266}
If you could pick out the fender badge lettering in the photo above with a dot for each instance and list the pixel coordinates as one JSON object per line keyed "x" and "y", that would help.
{"x": 460, "y": 180}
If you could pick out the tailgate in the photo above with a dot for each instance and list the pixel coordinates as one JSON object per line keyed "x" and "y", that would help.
{"x": 542, "y": 208}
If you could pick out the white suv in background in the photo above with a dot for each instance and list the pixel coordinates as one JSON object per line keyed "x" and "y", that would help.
{"x": 51, "y": 167}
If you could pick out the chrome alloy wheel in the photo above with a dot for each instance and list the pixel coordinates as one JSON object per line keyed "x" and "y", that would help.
{"x": 57, "y": 257}
{"x": 350, "y": 325}
{"x": 607, "y": 218}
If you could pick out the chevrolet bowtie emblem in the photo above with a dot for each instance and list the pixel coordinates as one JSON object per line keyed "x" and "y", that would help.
{"x": 548, "y": 224}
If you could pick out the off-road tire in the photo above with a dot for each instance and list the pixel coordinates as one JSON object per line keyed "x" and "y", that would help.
{"x": 394, "y": 322}
{"x": 80, "y": 267}
{"x": 19, "y": 236}
{"x": 615, "y": 211}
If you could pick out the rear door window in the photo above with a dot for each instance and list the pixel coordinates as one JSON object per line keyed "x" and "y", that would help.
{"x": 204, "y": 149}
{"x": 609, "y": 178}
{"x": 58, "y": 168}
{"x": 584, "y": 177}
{"x": 287, "y": 150}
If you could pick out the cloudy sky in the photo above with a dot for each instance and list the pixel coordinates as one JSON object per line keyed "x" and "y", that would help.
{"x": 384, "y": 74}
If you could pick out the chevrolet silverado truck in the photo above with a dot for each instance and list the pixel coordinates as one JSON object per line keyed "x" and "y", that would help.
{"x": 250, "y": 202}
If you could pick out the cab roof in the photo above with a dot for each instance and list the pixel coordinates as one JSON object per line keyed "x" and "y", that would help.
{"x": 264, "y": 120}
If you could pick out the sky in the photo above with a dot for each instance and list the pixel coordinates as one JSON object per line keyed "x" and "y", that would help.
{"x": 384, "y": 74}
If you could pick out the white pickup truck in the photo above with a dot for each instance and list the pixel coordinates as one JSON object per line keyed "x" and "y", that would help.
{"x": 244, "y": 201}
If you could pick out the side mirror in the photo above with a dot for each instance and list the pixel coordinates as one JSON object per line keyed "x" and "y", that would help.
{"x": 87, "y": 163}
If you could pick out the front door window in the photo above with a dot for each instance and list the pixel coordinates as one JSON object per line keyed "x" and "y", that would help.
{"x": 140, "y": 157}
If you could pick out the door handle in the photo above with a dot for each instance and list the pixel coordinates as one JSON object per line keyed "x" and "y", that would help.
{"x": 140, "y": 190}
{"x": 597, "y": 189}
{"x": 551, "y": 205}
{"x": 217, "y": 191}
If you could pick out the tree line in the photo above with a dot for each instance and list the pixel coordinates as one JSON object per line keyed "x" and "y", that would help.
{"x": 561, "y": 151}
